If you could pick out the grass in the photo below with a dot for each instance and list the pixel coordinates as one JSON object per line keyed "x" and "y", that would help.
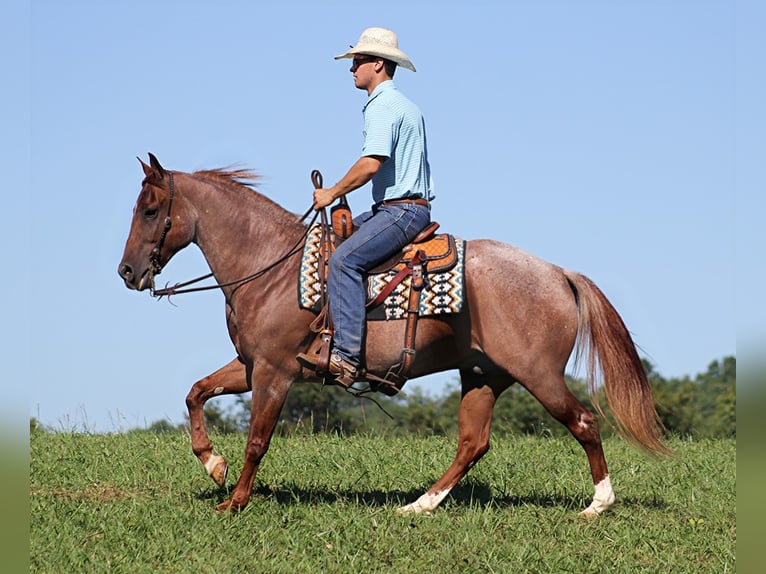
{"x": 140, "y": 502}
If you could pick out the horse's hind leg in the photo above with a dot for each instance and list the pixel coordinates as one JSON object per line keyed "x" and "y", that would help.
{"x": 558, "y": 400}
{"x": 229, "y": 379}
{"x": 474, "y": 421}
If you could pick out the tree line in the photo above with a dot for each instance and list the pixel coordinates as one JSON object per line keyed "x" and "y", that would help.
{"x": 700, "y": 407}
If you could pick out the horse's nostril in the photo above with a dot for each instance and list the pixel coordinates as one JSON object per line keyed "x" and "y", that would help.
{"x": 125, "y": 271}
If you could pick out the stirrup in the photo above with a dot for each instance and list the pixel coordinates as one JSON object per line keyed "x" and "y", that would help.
{"x": 318, "y": 359}
{"x": 307, "y": 361}
{"x": 345, "y": 372}
{"x": 388, "y": 388}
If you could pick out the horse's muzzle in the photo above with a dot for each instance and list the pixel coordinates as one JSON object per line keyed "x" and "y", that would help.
{"x": 140, "y": 283}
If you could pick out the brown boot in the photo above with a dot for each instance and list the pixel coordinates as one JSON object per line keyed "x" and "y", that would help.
{"x": 343, "y": 372}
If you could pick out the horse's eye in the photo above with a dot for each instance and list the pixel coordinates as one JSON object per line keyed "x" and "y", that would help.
{"x": 150, "y": 212}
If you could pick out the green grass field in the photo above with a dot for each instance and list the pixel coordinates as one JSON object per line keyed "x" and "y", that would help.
{"x": 141, "y": 502}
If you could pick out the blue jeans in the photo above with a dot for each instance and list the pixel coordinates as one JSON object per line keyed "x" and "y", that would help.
{"x": 383, "y": 231}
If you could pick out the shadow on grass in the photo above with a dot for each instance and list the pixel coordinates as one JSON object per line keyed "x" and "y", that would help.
{"x": 467, "y": 495}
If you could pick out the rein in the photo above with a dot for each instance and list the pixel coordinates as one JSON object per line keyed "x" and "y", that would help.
{"x": 179, "y": 288}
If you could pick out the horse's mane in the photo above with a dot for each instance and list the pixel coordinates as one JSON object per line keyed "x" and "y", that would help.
{"x": 241, "y": 180}
{"x": 229, "y": 177}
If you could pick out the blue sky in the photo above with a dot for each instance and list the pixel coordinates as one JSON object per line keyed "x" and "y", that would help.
{"x": 605, "y": 137}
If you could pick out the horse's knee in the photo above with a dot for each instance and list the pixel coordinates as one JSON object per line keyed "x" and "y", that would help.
{"x": 481, "y": 448}
{"x": 471, "y": 449}
{"x": 194, "y": 397}
{"x": 200, "y": 392}
{"x": 255, "y": 450}
{"x": 585, "y": 427}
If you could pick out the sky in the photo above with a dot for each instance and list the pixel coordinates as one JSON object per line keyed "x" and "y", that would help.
{"x": 605, "y": 137}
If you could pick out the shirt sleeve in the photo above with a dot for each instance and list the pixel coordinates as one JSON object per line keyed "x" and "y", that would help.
{"x": 380, "y": 131}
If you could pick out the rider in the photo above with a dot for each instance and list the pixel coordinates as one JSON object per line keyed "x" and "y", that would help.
{"x": 394, "y": 157}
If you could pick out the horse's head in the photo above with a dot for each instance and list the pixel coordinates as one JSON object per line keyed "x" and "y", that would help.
{"x": 160, "y": 228}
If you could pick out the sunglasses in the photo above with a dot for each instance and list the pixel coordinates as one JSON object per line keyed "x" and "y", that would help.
{"x": 356, "y": 62}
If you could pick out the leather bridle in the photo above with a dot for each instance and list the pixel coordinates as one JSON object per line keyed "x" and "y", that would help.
{"x": 154, "y": 257}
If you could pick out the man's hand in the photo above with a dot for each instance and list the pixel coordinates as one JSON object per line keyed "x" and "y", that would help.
{"x": 322, "y": 198}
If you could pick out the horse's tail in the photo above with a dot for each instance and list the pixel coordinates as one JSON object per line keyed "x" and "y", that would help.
{"x": 605, "y": 343}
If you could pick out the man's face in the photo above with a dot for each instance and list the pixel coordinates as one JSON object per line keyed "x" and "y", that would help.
{"x": 363, "y": 68}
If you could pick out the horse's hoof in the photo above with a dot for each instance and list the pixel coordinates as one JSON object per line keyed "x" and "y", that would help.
{"x": 223, "y": 507}
{"x": 229, "y": 505}
{"x": 589, "y": 513}
{"x": 218, "y": 469}
{"x": 413, "y": 509}
{"x": 597, "y": 508}
{"x": 426, "y": 504}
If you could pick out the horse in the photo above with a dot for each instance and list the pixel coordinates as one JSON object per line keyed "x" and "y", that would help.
{"x": 522, "y": 319}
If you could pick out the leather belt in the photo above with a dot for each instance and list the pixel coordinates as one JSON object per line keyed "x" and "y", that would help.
{"x": 416, "y": 200}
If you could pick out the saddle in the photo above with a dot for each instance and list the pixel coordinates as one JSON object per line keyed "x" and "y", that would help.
{"x": 439, "y": 250}
{"x": 428, "y": 252}
{"x": 435, "y": 253}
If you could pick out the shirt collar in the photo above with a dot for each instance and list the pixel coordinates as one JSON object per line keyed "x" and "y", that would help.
{"x": 379, "y": 89}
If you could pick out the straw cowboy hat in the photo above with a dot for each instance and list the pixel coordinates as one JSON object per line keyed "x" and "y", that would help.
{"x": 382, "y": 43}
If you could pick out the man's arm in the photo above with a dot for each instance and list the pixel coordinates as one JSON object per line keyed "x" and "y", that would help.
{"x": 359, "y": 174}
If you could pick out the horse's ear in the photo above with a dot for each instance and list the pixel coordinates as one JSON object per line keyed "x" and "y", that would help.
{"x": 146, "y": 168}
{"x": 155, "y": 164}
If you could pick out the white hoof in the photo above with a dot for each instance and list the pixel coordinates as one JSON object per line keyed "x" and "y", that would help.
{"x": 603, "y": 499}
{"x": 589, "y": 512}
{"x": 426, "y": 504}
{"x": 217, "y": 468}
{"x": 412, "y": 509}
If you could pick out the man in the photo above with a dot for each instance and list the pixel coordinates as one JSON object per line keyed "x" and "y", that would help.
{"x": 394, "y": 157}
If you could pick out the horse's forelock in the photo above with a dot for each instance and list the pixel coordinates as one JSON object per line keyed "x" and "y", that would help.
{"x": 147, "y": 193}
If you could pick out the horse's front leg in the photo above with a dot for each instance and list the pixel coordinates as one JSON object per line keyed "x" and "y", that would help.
{"x": 270, "y": 387}
{"x": 229, "y": 379}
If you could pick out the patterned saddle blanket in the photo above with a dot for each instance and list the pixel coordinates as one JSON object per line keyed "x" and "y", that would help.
{"x": 442, "y": 294}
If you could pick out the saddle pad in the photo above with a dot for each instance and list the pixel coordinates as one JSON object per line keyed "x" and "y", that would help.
{"x": 442, "y": 294}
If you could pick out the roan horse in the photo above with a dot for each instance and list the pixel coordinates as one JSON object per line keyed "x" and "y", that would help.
{"x": 520, "y": 322}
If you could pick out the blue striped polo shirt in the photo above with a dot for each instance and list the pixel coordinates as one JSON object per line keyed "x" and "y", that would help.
{"x": 394, "y": 128}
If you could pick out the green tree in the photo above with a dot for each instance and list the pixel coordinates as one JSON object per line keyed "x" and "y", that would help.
{"x": 718, "y": 398}
{"x": 701, "y": 407}
{"x": 421, "y": 414}
{"x": 319, "y": 408}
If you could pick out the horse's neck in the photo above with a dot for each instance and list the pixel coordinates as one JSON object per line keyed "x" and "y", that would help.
{"x": 240, "y": 232}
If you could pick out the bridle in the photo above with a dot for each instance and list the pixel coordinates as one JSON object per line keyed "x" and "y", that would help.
{"x": 154, "y": 257}
{"x": 155, "y": 267}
